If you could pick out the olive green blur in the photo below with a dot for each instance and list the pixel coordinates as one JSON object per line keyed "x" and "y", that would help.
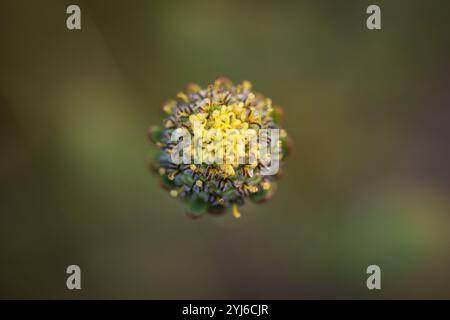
{"x": 367, "y": 181}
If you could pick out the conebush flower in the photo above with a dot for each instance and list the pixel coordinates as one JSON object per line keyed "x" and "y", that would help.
{"x": 219, "y": 146}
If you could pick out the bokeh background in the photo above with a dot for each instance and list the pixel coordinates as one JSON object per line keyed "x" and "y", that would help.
{"x": 367, "y": 183}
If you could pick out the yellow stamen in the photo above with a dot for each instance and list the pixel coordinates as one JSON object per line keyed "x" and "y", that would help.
{"x": 168, "y": 106}
{"x": 172, "y": 175}
{"x": 169, "y": 123}
{"x": 199, "y": 183}
{"x": 250, "y": 98}
{"x": 265, "y": 185}
{"x": 183, "y": 96}
{"x": 229, "y": 171}
{"x": 247, "y": 85}
{"x": 236, "y": 213}
{"x": 251, "y": 188}
{"x": 161, "y": 171}
{"x": 193, "y": 87}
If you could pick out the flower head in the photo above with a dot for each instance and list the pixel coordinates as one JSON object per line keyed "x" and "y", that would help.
{"x": 219, "y": 146}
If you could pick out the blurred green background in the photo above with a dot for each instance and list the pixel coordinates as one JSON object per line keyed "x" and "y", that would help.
{"x": 367, "y": 183}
